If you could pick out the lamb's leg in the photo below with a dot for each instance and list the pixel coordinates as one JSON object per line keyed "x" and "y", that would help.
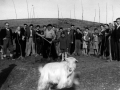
{"x": 62, "y": 83}
{"x": 42, "y": 85}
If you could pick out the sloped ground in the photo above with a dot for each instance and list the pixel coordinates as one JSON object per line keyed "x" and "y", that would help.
{"x": 95, "y": 74}
{"x": 62, "y": 22}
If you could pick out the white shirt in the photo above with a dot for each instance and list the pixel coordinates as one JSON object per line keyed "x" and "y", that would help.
{"x": 49, "y": 34}
{"x": 118, "y": 26}
{"x": 7, "y": 29}
{"x": 31, "y": 33}
{"x": 95, "y": 38}
{"x": 68, "y": 32}
{"x": 18, "y": 32}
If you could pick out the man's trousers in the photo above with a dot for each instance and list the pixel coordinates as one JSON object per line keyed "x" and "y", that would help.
{"x": 7, "y": 44}
{"x": 30, "y": 46}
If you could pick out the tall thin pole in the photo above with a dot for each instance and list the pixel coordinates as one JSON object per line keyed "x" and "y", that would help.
{"x": 74, "y": 12}
{"x": 58, "y": 11}
{"x": 95, "y": 15}
{"x": 70, "y": 14}
{"x": 112, "y": 13}
{"x": 82, "y": 9}
{"x": 33, "y": 12}
{"x": 14, "y": 8}
{"x": 106, "y": 12}
{"x": 99, "y": 12}
{"x": 61, "y": 15}
{"x": 27, "y": 8}
{"x": 58, "y": 15}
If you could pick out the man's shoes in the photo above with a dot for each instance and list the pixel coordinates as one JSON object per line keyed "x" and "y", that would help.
{"x": 11, "y": 55}
{"x": 4, "y": 57}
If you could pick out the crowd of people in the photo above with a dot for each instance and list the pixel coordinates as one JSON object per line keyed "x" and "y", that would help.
{"x": 52, "y": 42}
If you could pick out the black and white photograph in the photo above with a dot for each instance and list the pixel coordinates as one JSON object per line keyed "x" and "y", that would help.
{"x": 59, "y": 44}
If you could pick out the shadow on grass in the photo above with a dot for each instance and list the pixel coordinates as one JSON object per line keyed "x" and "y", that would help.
{"x": 5, "y": 73}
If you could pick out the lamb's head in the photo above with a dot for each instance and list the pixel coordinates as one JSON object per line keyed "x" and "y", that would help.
{"x": 72, "y": 62}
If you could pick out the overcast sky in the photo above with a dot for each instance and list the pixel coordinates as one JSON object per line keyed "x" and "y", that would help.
{"x": 48, "y": 9}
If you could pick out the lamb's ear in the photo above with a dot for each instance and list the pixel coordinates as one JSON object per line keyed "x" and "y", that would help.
{"x": 76, "y": 61}
{"x": 66, "y": 59}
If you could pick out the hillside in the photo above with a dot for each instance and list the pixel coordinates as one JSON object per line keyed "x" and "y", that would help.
{"x": 66, "y": 22}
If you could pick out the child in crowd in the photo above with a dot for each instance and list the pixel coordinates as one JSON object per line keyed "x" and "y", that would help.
{"x": 95, "y": 41}
{"x": 58, "y": 35}
{"x": 85, "y": 43}
{"x": 63, "y": 45}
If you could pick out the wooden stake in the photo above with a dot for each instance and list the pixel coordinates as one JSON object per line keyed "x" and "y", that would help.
{"x": 14, "y": 8}
{"x": 27, "y": 8}
{"x": 74, "y": 12}
{"x": 70, "y": 14}
{"x": 99, "y": 12}
{"x": 106, "y": 12}
{"x": 82, "y": 9}
{"x": 58, "y": 11}
{"x": 95, "y": 15}
{"x": 112, "y": 13}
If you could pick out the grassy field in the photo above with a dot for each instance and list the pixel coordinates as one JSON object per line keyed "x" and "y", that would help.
{"x": 95, "y": 73}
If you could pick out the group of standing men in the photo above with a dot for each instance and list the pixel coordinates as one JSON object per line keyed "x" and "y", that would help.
{"x": 109, "y": 41}
{"x": 32, "y": 40}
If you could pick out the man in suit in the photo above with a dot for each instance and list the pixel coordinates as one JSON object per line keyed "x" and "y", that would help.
{"x": 113, "y": 41}
{"x": 73, "y": 36}
{"x": 69, "y": 36}
{"x": 102, "y": 41}
{"x": 23, "y": 41}
{"x": 6, "y": 36}
{"x": 30, "y": 37}
{"x": 107, "y": 34}
{"x": 78, "y": 40}
{"x": 117, "y": 34}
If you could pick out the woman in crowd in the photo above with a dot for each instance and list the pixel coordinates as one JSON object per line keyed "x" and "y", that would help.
{"x": 102, "y": 43}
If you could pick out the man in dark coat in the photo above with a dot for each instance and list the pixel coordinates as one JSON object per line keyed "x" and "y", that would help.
{"x": 39, "y": 40}
{"x": 69, "y": 36}
{"x": 73, "y": 36}
{"x": 78, "y": 41}
{"x": 107, "y": 34}
{"x": 102, "y": 41}
{"x": 113, "y": 48}
{"x": 117, "y": 37}
{"x": 6, "y": 36}
{"x": 30, "y": 37}
{"x": 23, "y": 42}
